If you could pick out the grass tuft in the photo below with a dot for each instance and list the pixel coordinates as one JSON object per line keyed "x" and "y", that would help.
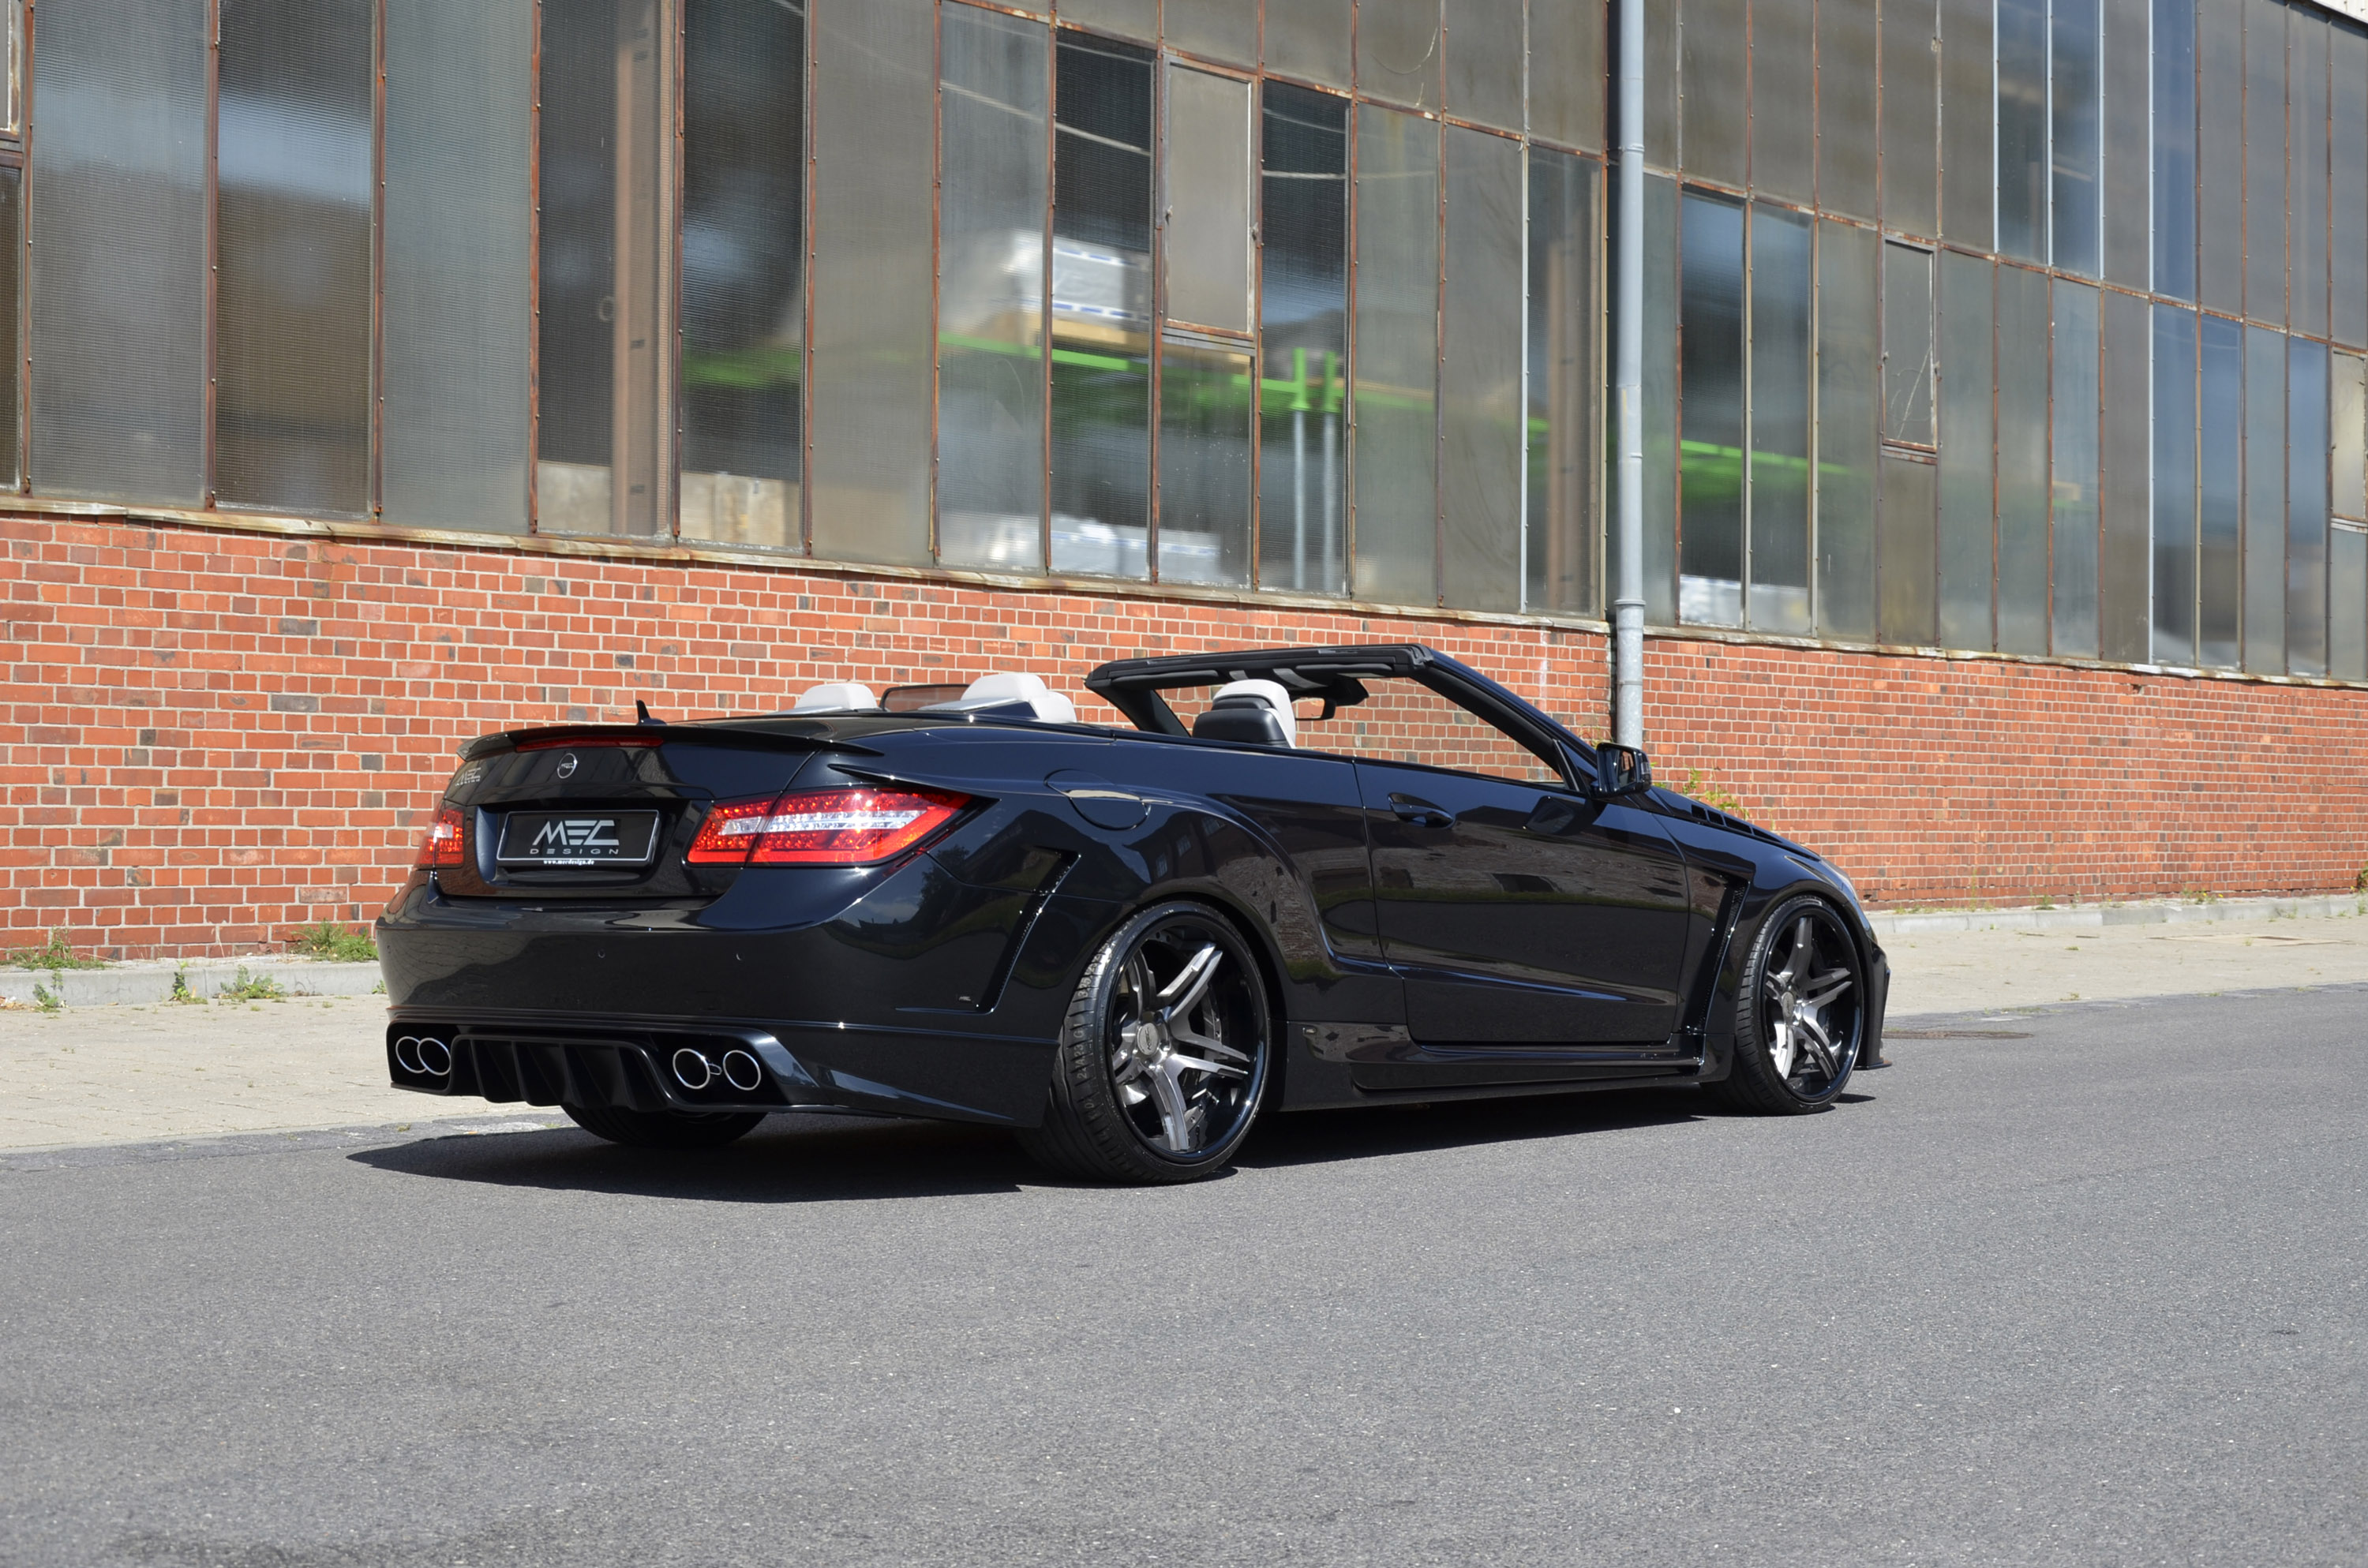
{"x": 245, "y": 987}
{"x": 344, "y": 944}
{"x": 58, "y": 954}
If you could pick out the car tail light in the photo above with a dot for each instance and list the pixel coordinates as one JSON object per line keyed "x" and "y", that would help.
{"x": 824, "y": 828}
{"x": 441, "y": 848}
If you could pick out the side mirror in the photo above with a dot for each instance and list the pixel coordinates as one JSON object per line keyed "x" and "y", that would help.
{"x": 1621, "y": 770}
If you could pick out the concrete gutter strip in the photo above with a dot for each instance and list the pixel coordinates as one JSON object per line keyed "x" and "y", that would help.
{"x": 2166, "y": 912}
{"x": 144, "y": 984}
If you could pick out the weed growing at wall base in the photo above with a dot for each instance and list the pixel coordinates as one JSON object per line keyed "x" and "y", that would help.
{"x": 55, "y": 957}
{"x": 343, "y": 944}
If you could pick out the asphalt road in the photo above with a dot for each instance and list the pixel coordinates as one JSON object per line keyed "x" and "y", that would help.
{"x": 2091, "y": 1294}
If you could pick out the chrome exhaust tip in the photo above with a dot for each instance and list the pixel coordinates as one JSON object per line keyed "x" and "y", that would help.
{"x": 435, "y": 1057}
{"x": 406, "y": 1054}
{"x": 692, "y": 1070}
{"x": 741, "y": 1072}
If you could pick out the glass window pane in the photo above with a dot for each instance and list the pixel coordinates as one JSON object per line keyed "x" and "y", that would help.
{"x": 1908, "y": 368}
{"x": 2125, "y": 481}
{"x": 1396, "y": 358}
{"x": 1563, "y": 312}
{"x": 1709, "y": 474}
{"x": 1304, "y": 462}
{"x": 2174, "y": 148}
{"x": 1911, "y": 121}
{"x": 1204, "y": 464}
{"x": 2220, "y": 154}
{"x": 1480, "y": 374}
{"x": 1485, "y": 62}
{"x": 2073, "y": 135}
{"x": 1566, "y": 73}
{"x": 1309, "y": 39}
{"x": 2265, "y": 501}
{"x": 1659, "y": 484}
{"x": 2307, "y": 37}
{"x": 993, "y": 140}
{"x": 12, "y": 243}
{"x": 2072, "y": 513}
{"x": 2220, "y": 491}
{"x": 2023, "y": 327}
{"x": 118, "y": 251}
{"x": 2306, "y": 459}
{"x": 1225, "y": 30}
{"x": 1777, "y": 596}
{"x": 2347, "y": 200}
{"x": 2347, "y": 594}
{"x": 2174, "y": 485}
{"x": 2128, "y": 152}
{"x": 1101, "y": 309}
{"x": 1966, "y": 536}
{"x": 1784, "y": 99}
{"x": 2265, "y": 161}
{"x": 292, "y": 303}
{"x": 2022, "y": 129}
{"x": 1207, "y": 224}
{"x": 2347, "y": 436}
{"x": 1397, "y": 51}
{"x": 1909, "y": 497}
{"x": 1848, "y": 428}
{"x": 1968, "y": 126}
{"x": 1128, "y": 18}
{"x": 1716, "y": 56}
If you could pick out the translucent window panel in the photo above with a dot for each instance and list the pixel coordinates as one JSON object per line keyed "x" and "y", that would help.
{"x": 292, "y": 417}
{"x": 2347, "y": 400}
{"x": 1849, "y": 417}
{"x": 1659, "y": 416}
{"x": 2220, "y": 154}
{"x": 1309, "y": 39}
{"x": 994, "y": 138}
{"x": 1911, "y": 116}
{"x": 2128, "y": 151}
{"x": 118, "y": 251}
{"x": 1397, "y": 51}
{"x": 458, "y": 312}
{"x": 2348, "y": 197}
{"x": 11, "y": 251}
{"x": 1225, "y": 30}
{"x": 1968, "y": 124}
{"x": 2022, "y": 117}
{"x": 1303, "y": 305}
{"x": 2220, "y": 491}
{"x": 2072, "y": 472}
{"x": 875, "y": 155}
{"x": 744, "y": 266}
{"x": 2125, "y": 481}
{"x": 1480, "y": 374}
{"x": 2075, "y": 132}
{"x": 1964, "y": 560}
{"x": 1563, "y": 378}
{"x": 2174, "y": 485}
{"x": 1567, "y": 71}
{"x": 1485, "y": 49}
{"x": 1784, "y": 99}
{"x": 12, "y": 68}
{"x": 1710, "y": 411}
{"x": 1128, "y": 18}
{"x": 2306, "y": 506}
{"x": 2307, "y": 39}
{"x": 2023, "y": 333}
{"x": 1910, "y": 495}
{"x": 1204, "y": 464}
{"x": 1660, "y": 82}
{"x": 1716, "y": 88}
{"x": 1396, "y": 358}
{"x": 2347, "y": 596}
{"x": 602, "y": 371}
{"x": 1101, "y": 309}
{"x": 1208, "y": 217}
{"x": 2265, "y": 161}
{"x": 1908, "y": 370}
{"x": 2265, "y": 501}
{"x": 2174, "y": 148}
{"x": 1777, "y": 597}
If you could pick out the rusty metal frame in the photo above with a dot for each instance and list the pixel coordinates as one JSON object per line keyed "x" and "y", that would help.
{"x": 22, "y": 367}
{"x": 207, "y": 445}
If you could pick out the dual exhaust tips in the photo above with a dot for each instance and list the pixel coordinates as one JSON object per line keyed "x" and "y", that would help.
{"x": 740, "y": 1069}
{"x": 427, "y": 1056}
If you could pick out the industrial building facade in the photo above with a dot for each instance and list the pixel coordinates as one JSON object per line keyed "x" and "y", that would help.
{"x": 392, "y": 369}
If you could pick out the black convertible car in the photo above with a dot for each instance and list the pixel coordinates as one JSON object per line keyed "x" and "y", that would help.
{"x": 1307, "y": 877}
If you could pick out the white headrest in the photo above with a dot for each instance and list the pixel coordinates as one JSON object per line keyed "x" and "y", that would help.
{"x": 1269, "y": 692}
{"x": 839, "y": 697}
{"x": 1018, "y": 686}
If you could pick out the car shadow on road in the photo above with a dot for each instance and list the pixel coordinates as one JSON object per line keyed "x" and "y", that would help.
{"x": 1372, "y": 1132}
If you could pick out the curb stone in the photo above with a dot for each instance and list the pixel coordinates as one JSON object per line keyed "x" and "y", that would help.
{"x": 150, "y": 982}
{"x": 2152, "y": 912}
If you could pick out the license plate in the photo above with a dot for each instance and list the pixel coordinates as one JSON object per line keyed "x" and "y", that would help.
{"x": 578, "y": 838}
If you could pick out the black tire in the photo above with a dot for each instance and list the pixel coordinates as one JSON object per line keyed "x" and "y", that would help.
{"x": 665, "y": 1129}
{"x": 1800, "y": 1020}
{"x": 1125, "y": 1104}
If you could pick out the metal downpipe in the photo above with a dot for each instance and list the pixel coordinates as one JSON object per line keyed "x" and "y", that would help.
{"x": 1628, "y": 378}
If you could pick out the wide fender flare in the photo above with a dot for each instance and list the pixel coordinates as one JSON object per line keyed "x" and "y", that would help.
{"x": 1758, "y": 900}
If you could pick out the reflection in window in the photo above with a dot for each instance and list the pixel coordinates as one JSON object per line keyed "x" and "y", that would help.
{"x": 12, "y": 68}
{"x": 2021, "y": 460}
{"x": 1205, "y": 411}
{"x": 2174, "y": 148}
{"x": 12, "y": 240}
{"x": 1908, "y": 371}
{"x": 2306, "y": 506}
{"x": 1779, "y": 592}
{"x": 2072, "y": 487}
{"x": 2347, "y": 544}
{"x": 2077, "y": 227}
{"x": 1101, "y": 309}
{"x": 1398, "y": 357}
{"x": 1303, "y": 310}
{"x": 2174, "y": 485}
{"x": 1850, "y": 421}
{"x": 1562, "y": 313}
{"x": 1480, "y": 374}
{"x": 2022, "y": 118}
{"x": 1710, "y": 467}
{"x": 2219, "y": 491}
{"x": 2265, "y": 501}
{"x": 744, "y": 269}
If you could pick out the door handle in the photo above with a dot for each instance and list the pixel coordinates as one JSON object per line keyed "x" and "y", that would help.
{"x": 1419, "y": 812}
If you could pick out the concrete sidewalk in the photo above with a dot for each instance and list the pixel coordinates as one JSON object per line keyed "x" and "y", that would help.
{"x": 123, "y": 1074}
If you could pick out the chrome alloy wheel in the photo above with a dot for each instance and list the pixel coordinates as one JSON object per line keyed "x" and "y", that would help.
{"x": 1809, "y": 993}
{"x": 1182, "y": 1028}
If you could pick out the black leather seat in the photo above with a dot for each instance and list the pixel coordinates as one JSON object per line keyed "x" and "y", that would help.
{"x": 1241, "y": 720}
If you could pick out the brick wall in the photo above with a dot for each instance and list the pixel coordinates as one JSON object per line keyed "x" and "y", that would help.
{"x": 214, "y": 736}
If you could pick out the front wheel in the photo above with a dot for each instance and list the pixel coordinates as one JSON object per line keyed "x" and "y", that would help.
{"x": 665, "y": 1129}
{"x": 1802, "y": 1017}
{"x": 1164, "y": 1056}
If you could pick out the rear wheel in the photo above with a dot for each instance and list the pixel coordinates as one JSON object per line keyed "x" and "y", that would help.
{"x": 1801, "y": 1017}
{"x": 1164, "y": 1054}
{"x": 665, "y": 1129}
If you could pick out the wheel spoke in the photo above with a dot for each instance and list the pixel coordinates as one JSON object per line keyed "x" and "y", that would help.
{"x": 1204, "y": 1045}
{"x": 1191, "y": 982}
{"x": 1138, "y": 980}
{"x": 1827, "y": 987}
{"x": 1780, "y": 1050}
{"x": 1175, "y": 1110}
{"x": 1195, "y": 1064}
{"x": 1812, "y": 1034}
